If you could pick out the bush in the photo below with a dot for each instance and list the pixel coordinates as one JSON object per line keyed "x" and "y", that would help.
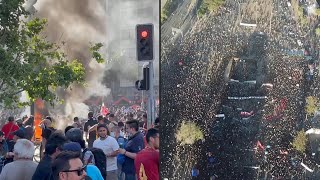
{"x": 189, "y": 133}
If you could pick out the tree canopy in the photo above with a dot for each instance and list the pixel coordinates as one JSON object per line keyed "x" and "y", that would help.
{"x": 28, "y": 62}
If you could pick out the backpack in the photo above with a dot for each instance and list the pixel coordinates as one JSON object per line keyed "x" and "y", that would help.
{"x": 122, "y": 144}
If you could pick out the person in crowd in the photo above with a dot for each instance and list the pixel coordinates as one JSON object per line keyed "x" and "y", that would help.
{"x": 22, "y": 167}
{"x": 110, "y": 147}
{"x": 76, "y": 135}
{"x": 92, "y": 135}
{"x": 145, "y": 121}
{"x": 19, "y": 134}
{"x": 68, "y": 166}
{"x": 28, "y": 132}
{"x": 135, "y": 144}
{"x": 67, "y": 129}
{"x": 52, "y": 150}
{"x": 28, "y": 121}
{"x": 98, "y": 159}
{"x": 147, "y": 161}
{"x": 92, "y": 170}
{"x": 47, "y": 130}
{"x": 122, "y": 142}
{"x": 112, "y": 121}
{"x": 19, "y": 123}
{"x": 100, "y": 121}
{"x": 76, "y": 123}
{"x": 8, "y": 128}
{"x": 3, "y": 145}
{"x": 157, "y": 123}
{"x": 122, "y": 130}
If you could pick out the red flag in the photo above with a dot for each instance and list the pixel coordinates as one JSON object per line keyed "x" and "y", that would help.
{"x": 104, "y": 110}
{"x": 259, "y": 145}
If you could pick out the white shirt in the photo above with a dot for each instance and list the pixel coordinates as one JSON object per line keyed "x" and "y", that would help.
{"x": 108, "y": 145}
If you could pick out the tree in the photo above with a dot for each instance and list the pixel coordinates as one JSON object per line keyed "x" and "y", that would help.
{"x": 300, "y": 141}
{"x": 189, "y": 133}
{"x": 28, "y": 62}
{"x": 311, "y": 105}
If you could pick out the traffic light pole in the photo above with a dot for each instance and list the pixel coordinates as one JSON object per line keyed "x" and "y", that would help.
{"x": 151, "y": 101}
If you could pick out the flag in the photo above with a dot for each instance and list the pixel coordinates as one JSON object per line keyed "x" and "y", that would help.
{"x": 104, "y": 110}
{"x": 259, "y": 145}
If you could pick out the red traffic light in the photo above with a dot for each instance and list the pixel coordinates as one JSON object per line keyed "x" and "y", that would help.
{"x": 144, "y": 34}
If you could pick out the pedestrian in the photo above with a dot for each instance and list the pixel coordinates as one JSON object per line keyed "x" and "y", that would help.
{"x": 110, "y": 147}
{"x": 68, "y": 166}
{"x": 147, "y": 161}
{"x": 135, "y": 144}
{"x": 92, "y": 135}
{"x": 23, "y": 166}
{"x": 52, "y": 150}
{"x": 76, "y": 123}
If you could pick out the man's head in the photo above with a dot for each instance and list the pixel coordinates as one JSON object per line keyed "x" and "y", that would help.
{"x": 68, "y": 166}
{"x": 90, "y": 115}
{"x": 153, "y": 138}
{"x": 76, "y": 135}
{"x": 111, "y": 117}
{"x": 55, "y": 143}
{"x": 23, "y": 149}
{"x": 18, "y": 134}
{"x": 100, "y": 119}
{"x": 11, "y": 119}
{"x": 116, "y": 131}
{"x": 75, "y": 119}
{"x": 103, "y": 130}
{"x": 47, "y": 122}
{"x": 19, "y": 122}
{"x": 132, "y": 127}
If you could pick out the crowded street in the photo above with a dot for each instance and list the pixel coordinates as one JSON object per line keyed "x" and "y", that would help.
{"x": 238, "y": 76}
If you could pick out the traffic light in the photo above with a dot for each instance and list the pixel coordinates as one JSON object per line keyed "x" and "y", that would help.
{"x": 144, "y": 42}
{"x": 144, "y": 83}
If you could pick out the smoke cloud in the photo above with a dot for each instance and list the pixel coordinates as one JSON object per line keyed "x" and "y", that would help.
{"x": 76, "y": 23}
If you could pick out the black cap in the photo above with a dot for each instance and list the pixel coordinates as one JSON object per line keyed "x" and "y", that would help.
{"x": 1, "y": 133}
{"x": 19, "y": 133}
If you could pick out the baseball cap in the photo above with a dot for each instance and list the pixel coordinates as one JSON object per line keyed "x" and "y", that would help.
{"x": 72, "y": 146}
{"x": 19, "y": 133}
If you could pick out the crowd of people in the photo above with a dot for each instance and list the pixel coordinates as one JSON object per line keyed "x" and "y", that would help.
{"x": 104, "y": 148}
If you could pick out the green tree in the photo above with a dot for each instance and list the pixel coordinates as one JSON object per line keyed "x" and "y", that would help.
{"x": 28, "y": 62}
{"x": 208, "y": 6}
{"x": 300, "y": 141}
{"x": 189, "y": 133}
{"x": 311, "y": 105}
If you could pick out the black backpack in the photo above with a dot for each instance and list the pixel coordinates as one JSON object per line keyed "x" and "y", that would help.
{"x": 100, "y": 160}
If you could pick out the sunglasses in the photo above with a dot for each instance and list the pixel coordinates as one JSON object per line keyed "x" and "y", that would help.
{"x": 79, "y": 171}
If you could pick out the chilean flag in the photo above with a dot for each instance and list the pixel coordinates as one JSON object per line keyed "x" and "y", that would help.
{"x": 104, "y": 110}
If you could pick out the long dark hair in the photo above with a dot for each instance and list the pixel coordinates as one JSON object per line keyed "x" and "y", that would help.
{"x": 100, "y": 160}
